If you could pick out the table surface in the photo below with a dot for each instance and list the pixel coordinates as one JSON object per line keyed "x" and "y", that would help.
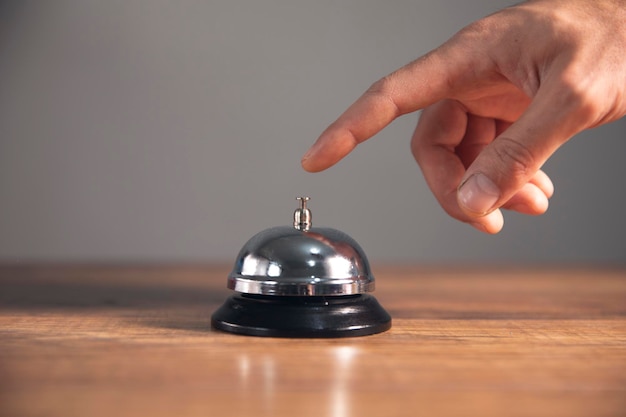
{"x": 136, "y": 340}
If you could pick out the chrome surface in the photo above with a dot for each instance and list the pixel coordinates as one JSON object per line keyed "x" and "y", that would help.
{"x": 299, "y": 260}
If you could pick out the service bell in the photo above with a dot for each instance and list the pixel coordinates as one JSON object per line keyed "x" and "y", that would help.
{"x": 301, "y": 281}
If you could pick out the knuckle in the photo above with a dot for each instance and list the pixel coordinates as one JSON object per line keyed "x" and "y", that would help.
{"x": 517, "y": 160}
{"x": 478, "y": 35}
{"x": 577, "y": 95}
{"x": 383, "y": 88}
{"x": 384, "y": 91}
{"x": 481, "y": 28}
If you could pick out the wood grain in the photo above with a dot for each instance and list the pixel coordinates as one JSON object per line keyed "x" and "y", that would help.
{"x": 130, "y": 340}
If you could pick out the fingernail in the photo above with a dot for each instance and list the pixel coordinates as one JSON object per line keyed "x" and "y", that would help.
{"x": 308, "y": 160}
{"x": 478, "y": 194}
{"x": 311, "y": 152}
{"x": 307, "y": 155}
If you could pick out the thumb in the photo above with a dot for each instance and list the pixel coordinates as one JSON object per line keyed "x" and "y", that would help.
{"x": 504, "y": 167}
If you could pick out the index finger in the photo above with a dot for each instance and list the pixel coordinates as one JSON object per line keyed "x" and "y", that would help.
{"x": 412, "y": 87}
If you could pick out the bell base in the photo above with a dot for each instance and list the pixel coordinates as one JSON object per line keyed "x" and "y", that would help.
{"x": 301, "y": 317}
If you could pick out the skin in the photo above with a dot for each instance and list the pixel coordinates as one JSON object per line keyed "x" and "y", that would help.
{"x": 497, "y": 100}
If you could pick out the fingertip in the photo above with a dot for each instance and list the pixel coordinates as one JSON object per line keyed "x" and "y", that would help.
{"x": 311, "y": 165}
{"x": 537, "y": 207}
{"x": 319, "y": 156}
{"x": 544, "y": 183}
{"x": 331, "y": 147}
{"x": 530, "y": 199}
{"x": 491, "y": 223}
{"x": 307, "y": 163}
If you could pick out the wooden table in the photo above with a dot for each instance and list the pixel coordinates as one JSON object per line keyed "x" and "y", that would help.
{"x": 136, "y": 341}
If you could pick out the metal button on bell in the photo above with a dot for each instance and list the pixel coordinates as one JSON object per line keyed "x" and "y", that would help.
{"x": 301, "y": 281}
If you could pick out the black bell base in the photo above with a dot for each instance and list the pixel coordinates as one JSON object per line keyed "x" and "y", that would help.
{"x": 302, "y": 317}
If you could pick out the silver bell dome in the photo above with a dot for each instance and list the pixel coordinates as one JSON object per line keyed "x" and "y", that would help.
{"x": 301, "y": 261}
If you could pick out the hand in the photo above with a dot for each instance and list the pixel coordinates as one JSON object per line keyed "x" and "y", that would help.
{"x": 498, "y": 99}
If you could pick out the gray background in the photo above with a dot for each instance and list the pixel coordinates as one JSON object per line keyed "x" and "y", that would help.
{"x": 173, "y": 131}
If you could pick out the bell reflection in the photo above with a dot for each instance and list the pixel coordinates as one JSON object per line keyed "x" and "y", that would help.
{"x": 274, "y": 385}
{"x": 340, "y": 400}
{"x": 257, "y": 382}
